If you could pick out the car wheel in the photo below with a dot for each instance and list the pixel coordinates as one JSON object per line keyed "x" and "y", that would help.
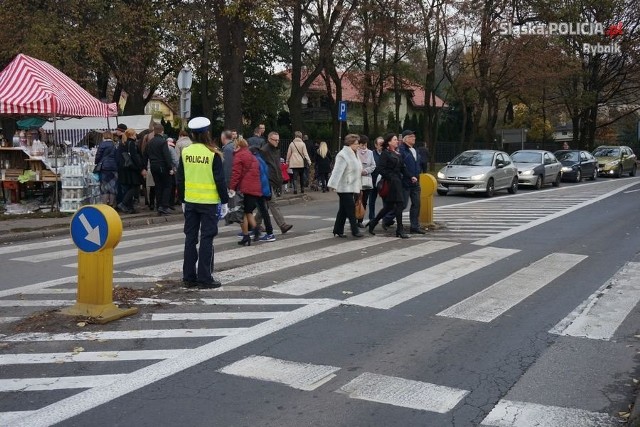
{"x": 442, "y": 192}
{"x": 491, "y": 189}
{"x": 556, "y": 183}
{"x": 578, "y": 176}
{"x": 594, "y": 176}
{"x": 514, "y": 186}
{"x": 538, "y": 184}
{"x": 633, "y": 170}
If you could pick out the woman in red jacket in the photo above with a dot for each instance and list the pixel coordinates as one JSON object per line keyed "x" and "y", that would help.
{"x": 245, "y": 178}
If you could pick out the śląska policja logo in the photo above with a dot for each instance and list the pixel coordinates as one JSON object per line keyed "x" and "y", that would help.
{"x": 569, "y": 29}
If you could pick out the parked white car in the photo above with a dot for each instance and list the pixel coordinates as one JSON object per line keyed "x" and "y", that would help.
{"x": 479, "y": 171}
{"x": 537, "y": 168}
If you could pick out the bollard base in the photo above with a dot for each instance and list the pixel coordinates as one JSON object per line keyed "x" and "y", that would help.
{"x": 99, "y": 313}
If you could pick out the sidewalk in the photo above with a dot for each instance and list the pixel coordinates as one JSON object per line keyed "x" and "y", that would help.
{"x": 21, "y": 229}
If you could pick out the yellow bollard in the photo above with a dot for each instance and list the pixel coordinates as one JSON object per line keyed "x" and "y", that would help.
{"x": 428, "y": 186}
{"x": 96, "y": 230}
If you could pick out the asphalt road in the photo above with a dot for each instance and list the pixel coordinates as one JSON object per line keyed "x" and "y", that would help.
{"x": 521, "y": 311}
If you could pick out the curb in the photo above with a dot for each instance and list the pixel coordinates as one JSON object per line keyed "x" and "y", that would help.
{"x": 127, "y": 222}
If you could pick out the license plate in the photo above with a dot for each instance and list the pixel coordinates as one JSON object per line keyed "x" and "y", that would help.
{"x": 457, "y": 187}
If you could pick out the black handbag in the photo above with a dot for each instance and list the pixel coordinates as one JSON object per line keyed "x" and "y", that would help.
{"x": 127, "y": 161}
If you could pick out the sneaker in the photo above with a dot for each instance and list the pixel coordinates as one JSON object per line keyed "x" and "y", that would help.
{"x": 285, "y": 228}
{"x": 122, "y": 208}
{"x": 417, "y": 231}
{"x": 241, "y": 235}
{"x": 268, "y": 238}
{"x": 211, "y": 285}
{"x": 189, "y": 283}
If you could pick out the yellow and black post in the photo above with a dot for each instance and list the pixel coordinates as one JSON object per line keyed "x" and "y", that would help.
{"x": 96, "y": 230}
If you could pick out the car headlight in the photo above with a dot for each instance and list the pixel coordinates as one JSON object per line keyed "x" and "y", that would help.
{"x": 566, "y": 169}
{"x": 440, "y": 175}
{"x": 477, "y": 177}
{"x": 529, "y": 172}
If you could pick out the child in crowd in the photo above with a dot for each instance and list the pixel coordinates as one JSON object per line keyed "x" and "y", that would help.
{"x": 284, "y": 168}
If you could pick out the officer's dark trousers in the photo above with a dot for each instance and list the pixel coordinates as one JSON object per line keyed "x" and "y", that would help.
{"x": 203, "y": 219}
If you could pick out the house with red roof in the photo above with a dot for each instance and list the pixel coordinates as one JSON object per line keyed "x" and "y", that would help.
{"x": 316, "y": 102}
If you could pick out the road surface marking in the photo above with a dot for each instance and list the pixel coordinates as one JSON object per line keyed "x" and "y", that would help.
{"x": 8, "y": 417}
{"x": 251, "y": 315}
{"x": 524, "y": 414}
{"x": 523, "y": 227}
{"x": 416, "y": 284}
{"x": 342, "y": 273}
{"x": 277, "y": 264}
{"x": 600, "y": 315}
{"x": 167, "y": 268}
{"x": 87, "y": 356}
{"x": 35, "y": 303}
{"x": 301, "y": 376}
{"x": 261, "y": 301}
{"x": 41, "y": 285}
{"x": 405, "y": 393}
{"x": 9, "y": 319}
{"x": 493, "y": 301}
{"x": 123, "y": 335}
{"x": 89, "y": 399}
{"x": 56, "y": 383}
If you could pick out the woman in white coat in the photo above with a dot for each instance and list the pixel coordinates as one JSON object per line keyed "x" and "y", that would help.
{"x": 345, "y": 179}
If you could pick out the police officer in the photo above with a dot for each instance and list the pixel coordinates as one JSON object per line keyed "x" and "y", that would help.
{"x": 201, "y": 187}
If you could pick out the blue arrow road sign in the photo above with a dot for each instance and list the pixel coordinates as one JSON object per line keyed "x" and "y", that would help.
{"x": 342, "y": 111}
{"x": 89, "y": 229}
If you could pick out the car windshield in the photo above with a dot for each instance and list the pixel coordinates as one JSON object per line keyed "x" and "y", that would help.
{"x": 571, "y": 156}
{"x": 524, "y": 157}
{"x": 607, "y": 152}
{"x": 473, "y": 158}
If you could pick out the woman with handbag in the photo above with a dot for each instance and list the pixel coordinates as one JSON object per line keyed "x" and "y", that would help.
{"x": 298, "y": 160}
{"x": 368, "y": 166}
{"x": 391, "y": 170}
{"x": 345, "y": 179}
{"x": 107, "y": 167}
{"x": 129, "y": 170}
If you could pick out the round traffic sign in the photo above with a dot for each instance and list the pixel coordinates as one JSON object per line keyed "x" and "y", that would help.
{"x": 96, "y": 227}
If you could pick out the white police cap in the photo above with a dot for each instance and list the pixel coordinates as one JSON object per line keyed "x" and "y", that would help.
{"x": 199, "y": 124}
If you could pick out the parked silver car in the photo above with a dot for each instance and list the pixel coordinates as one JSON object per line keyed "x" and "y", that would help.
{"x": 537, "y": 168}
{"x": 479, "y": 171}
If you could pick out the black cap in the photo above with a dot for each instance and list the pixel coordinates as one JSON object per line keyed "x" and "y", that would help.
{"x": 122, "y": 127}
{"x": 407, "y": 133}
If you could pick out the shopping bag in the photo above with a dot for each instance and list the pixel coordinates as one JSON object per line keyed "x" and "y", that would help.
{"x": 383, "y": 188}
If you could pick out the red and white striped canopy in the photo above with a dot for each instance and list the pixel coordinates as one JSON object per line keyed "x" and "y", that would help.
{"x": 30, "y": 86}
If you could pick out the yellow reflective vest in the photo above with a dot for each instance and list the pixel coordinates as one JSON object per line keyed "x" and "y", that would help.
{"x": 199, "y": 185}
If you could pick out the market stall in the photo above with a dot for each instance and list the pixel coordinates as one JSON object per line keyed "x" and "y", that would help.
{"x": 30, "y": 87}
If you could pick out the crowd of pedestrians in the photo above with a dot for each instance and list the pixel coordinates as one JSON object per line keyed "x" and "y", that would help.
{"x": 211, "y": 177}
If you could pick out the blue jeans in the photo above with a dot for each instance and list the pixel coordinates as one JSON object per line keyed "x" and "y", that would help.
{"x": 203, "y": 220}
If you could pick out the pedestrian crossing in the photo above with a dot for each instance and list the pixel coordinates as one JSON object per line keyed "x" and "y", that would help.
{"x": 203, "y": 324}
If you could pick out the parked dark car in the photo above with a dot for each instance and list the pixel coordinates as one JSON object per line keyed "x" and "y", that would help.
{"x": 577, "y": 164}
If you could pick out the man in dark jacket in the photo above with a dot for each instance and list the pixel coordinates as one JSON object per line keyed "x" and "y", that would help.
{"x": 159, "y": 157}
{"x": 411, "y": 189}
{"x": 271, "y": 155}
{"x": 257, "y": 140}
